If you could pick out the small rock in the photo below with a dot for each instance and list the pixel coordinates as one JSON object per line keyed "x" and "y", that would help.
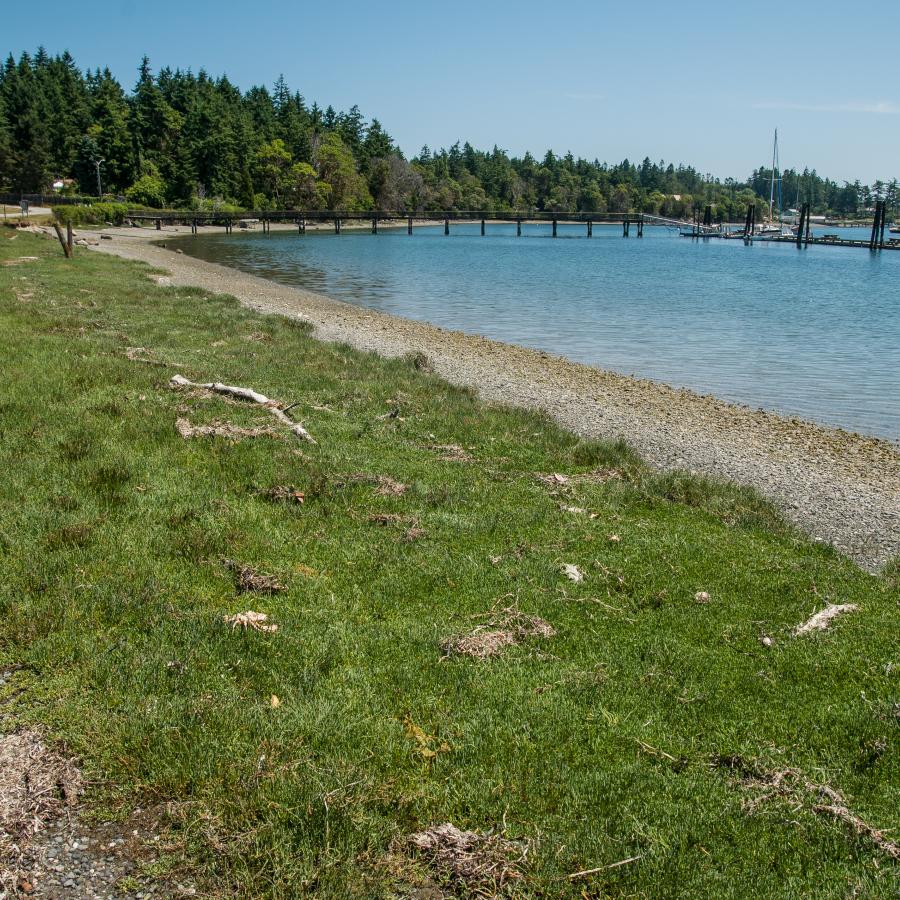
{"x": 701, "y": 597}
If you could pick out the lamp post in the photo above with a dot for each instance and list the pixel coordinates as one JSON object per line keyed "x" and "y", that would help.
{"x": 98, "y": 163}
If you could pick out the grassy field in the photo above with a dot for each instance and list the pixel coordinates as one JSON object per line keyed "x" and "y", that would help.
{"x": 684, "y": 736}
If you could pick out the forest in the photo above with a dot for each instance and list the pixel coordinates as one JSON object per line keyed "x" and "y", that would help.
{"x": 185, "y": 140}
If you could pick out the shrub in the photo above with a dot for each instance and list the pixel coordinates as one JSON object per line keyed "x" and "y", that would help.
{"x": 148, "y": 190}
{"x": 94, "y": 214}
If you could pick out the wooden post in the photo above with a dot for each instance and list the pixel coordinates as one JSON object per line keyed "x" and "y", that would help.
{"x": 873, "y": 240}
{"x": 409, "y": 225}
{"x": 446, "y": 227}
{"x": 590, "y": 228}
{"x": 374, "y": 225}
{"x": 159, "y": 224}
{"x": 641, "y": 225}
{"x": 554, "y": 226}
{"x": 69, "y": 237}
{"x": 337, "y": 226}
{"x": 62, "y": 241}
{"x": 482, "y": 227}
{"x": 518, "y": 228}
{"x": 883, "y": 222}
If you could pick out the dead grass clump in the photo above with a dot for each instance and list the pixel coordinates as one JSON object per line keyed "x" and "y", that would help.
{"x": 387, "y": 487}
{"x": 451, "y": 452}
{"x": 385, "y": 518}
{"x": 501, "y": 631}
{"x": 254, "y": 621}
{"x": 223, "y": 430}
{"x": 478, "y": 864}
{"x": 283, "y": 493}
{"x": 37, "y": 784}
{"x": 248, "y": 580}
{"x": 793, "y": 787}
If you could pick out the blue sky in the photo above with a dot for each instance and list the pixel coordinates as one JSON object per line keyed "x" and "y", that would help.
{"x": 703, "y": 83}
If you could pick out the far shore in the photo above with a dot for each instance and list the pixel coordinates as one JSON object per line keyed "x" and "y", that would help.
{"x": 840, "y": 487}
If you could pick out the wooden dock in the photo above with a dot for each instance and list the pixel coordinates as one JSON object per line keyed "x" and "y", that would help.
{"x": 699, "y": 228}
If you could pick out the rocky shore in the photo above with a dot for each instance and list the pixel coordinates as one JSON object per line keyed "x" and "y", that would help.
{"x": 839, "y": 487}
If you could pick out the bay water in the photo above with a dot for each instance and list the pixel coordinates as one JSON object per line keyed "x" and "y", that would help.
{"x": 813, "y": 333}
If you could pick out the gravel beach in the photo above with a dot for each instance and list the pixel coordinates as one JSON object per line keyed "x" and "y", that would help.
{"x": 841, "y": 488}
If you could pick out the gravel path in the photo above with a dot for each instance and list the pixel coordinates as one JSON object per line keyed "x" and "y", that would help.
{"x": 839, "y": 487}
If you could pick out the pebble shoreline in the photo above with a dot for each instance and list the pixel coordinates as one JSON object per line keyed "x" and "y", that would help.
{"x": 839, "y": 487}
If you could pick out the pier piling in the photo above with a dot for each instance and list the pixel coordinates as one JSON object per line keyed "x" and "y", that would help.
{"x": 337, "y": 226}
{"x": 446, "y": 227}
{"x": 374, "y": 225}
{"x": 590, "y": 228}
{"x": 554, "y": 226}
{"x": 409, "y": 225}
{"x": 482, "y": 227}
{"x": 518, "y": 228}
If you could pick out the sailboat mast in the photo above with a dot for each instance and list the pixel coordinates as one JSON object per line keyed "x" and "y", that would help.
{"x": 772, "y": 188}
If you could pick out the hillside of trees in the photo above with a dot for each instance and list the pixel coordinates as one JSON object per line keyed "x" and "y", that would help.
{"x": 180, "y": 139}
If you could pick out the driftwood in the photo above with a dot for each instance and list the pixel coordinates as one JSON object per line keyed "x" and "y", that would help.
{"x": 242, "y": 393}
{"x": 822, "y": 619}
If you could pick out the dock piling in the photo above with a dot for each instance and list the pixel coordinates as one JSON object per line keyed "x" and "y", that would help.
{"x": 374, "y": 225}
{"x": 518, "y": 228}
{"x": 554, "y": 226}
{"x": 409, "y": 225}
{"x": 446, "y": 227}
{"x": 482, "y": 227}
{"x": 590, "y": 228}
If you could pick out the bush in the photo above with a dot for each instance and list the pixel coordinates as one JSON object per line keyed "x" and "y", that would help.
{"x": 148, "y": 190}
{"x": 94, "y": 214}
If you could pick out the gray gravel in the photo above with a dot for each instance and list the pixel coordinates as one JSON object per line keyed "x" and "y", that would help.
{"x": 841, "y": 488}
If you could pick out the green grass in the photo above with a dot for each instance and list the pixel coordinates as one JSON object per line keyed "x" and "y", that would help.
{"x": 595, "y": 745}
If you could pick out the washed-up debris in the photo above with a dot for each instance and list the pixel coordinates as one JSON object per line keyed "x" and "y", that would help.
{"x": 579, "y": 511}
{"x": 385, "y": 518}
{"x": 503, "y": 630}
{"x": 242, "y": 393}
{"x": 255, "y": 621}
{"x": 451, "y": 452}
{"x": 282, "y": 493}
{"x": 142, "y": 354}
{"x": 573, "y": 573}
{"x": 554, "y": 479}
{"x": 222, "y": 430}
{"x": 821, "y": 621}
{"x": 248, "y": 580}
{"x": 388, "y": 487}
{"x": 793, "y": 787}
{"x": 479, "y": 864}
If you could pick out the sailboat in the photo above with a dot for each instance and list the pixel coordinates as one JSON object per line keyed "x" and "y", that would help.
{"x": 771, "y": 228}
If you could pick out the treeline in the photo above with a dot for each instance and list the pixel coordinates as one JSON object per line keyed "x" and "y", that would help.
{"x": 181, "y": 139}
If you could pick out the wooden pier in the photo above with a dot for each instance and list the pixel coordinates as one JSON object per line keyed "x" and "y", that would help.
{"x": 701, "y": 227}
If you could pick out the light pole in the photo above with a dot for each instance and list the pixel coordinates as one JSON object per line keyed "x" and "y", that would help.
{"x": 98, "y": 163}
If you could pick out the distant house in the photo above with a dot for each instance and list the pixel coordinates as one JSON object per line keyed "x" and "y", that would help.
{"x": 61, "y": 183}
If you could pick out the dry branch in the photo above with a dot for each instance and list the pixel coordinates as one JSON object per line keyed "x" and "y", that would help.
{"x": 242, "y": 393}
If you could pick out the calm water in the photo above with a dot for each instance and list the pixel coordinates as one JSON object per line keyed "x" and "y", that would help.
{"x": 815, "y": 333}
